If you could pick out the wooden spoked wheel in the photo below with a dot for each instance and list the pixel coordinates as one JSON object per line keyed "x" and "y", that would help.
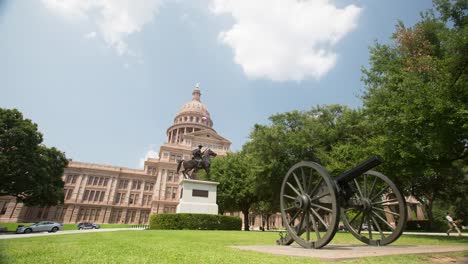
{"x": 308, "y": 203}
{"x": 376, "y": 211}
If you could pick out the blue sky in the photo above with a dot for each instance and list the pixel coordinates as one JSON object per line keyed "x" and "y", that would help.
{"x": 104, "y": 79}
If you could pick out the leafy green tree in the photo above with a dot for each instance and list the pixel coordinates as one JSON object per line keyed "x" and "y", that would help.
{"x": 236, "y": 174}
{"x": 28, "y": 170}
{"x": 333, "y": 135}
{"x": 417, "y": 98}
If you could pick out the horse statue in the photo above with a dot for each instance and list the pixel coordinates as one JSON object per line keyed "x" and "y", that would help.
{"x": 192, "y": 165}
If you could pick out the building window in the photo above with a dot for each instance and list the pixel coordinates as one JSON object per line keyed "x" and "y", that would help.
{"x": 171, "y": 193}
{"x": 89, "y": 214}
{"x": 136, "y": 185}
{"x": 123, "y": 184}
{"x": 85, "y": 195}
{"x": 97, "y": 181}
{"x": 71, "y": 178}
{"x": 120, "y": 198}
{"x": 147, "y": 199}
{"x": 172, "y": 157}
{"x": 152, "y": 171}
{"x": 144, "y": 214}
{"x": 169, "y": 209}
{"x": 170, "y": 176}
{"x": 115, "y": 215}
{"x": 149, "y": 186}
{"x": 93, "y": 195}
{"x": 133, "y": 198}
{"x": 67, "y": 193}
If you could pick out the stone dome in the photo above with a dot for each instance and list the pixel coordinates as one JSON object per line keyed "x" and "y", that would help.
{"x": 194, "y": 106}
{"x": 194, "y": 111}
{"x": 193, "y": 116}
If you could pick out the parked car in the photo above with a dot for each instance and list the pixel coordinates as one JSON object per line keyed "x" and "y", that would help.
{"x": 87, "y": 225}
{"x": 40, "y": 227}
{"x": 365, "y": 226}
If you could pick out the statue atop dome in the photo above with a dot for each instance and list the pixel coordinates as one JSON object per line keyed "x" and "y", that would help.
{"x": 196, "y": 93}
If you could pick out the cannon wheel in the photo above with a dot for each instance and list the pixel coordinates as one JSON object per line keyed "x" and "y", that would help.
{"x": 308, "y": 203}
{"x": 376, "y": 213}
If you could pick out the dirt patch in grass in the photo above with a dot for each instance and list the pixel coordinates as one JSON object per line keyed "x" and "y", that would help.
{"x": 444, "y": 260}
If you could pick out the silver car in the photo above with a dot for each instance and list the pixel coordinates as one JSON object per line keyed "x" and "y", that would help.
{"x": 40, "y": 227}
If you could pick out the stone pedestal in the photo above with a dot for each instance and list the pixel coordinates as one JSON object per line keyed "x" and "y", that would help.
{"x": 197, "y": 197}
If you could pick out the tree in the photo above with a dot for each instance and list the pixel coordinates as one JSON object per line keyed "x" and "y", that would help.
{"x": 28, "y": 170}
{"x": 333, "y": 135}
{"x": 416, "y": 97}
{"x": 236, "y": 174}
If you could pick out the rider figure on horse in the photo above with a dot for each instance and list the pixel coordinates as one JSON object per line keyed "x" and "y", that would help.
{"x": 197, "y": 155}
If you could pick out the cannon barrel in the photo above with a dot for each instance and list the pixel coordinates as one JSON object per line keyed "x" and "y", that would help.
{"x": 370, "y": 163}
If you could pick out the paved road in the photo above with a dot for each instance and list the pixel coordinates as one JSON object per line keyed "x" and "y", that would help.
{"x": 9, "y": 235}
{"x": 452, "y": 234}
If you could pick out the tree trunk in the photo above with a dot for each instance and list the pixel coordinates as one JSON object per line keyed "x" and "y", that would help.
{"x": 246, "y": 220}
{"x": 268, "y": 221}
{"x": 430, "y": 216}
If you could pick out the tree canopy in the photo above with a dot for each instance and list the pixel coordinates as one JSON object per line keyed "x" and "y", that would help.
{"x": 29, "y": 170}
{"x": 417, "y": 98}
{"x": 237, "y": 190}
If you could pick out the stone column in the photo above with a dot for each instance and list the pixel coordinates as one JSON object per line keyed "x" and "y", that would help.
{"x": 107, "y": 215}
{"x": 123, "y": 216}
{"x": 137, "y": 217}
{"x": 110, "y": 191}
{"x": 102, "y": 214}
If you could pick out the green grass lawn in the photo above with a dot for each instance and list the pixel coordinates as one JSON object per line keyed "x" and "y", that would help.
{"x": 183, "y": 246}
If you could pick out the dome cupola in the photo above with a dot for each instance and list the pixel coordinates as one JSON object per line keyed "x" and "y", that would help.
{"x": 192, "y": 116}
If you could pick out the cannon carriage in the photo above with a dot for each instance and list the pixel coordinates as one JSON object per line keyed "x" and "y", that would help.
{"x": 368, "y": 203}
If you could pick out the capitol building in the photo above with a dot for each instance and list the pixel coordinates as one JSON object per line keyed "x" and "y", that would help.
{"x": 111, "y": 194}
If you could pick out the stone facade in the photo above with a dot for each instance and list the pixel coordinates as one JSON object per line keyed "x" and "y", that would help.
{"x": 110, "y": 194}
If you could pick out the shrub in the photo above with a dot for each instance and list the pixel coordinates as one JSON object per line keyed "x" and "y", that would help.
{"x": 195, "y": 221}
{"x": 414, "y": 225}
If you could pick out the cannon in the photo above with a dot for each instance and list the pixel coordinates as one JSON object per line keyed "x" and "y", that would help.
{"x": 368, "y": 203}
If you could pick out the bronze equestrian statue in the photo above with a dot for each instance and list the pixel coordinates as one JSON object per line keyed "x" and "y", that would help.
{"x": 200, "y": 160}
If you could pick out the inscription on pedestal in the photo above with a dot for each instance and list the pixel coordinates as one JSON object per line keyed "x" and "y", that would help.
{"x": 199, "y": 193}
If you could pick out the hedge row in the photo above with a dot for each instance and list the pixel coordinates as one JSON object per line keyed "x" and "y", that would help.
{"x": 195, "y": 221}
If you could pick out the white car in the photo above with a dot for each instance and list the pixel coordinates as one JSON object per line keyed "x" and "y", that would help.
{"x": 40, "y": 227}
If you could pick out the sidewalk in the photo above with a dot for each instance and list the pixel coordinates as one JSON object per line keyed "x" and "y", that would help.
{"x": 452, "y": 234}
{"x": 64, "y": 232}
{"x": 342, "y": 252}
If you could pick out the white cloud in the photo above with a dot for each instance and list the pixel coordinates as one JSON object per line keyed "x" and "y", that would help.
{"x": 149, "y": 154}
{"x": 285, "y": 39}
{"x": 114, "y": 19}
{"x": 90, "y": 35}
